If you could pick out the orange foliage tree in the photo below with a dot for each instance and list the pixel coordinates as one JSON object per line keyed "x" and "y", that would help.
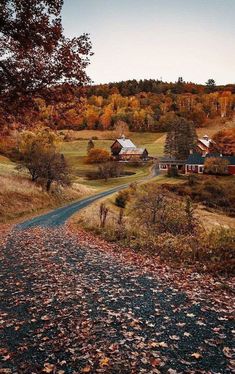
{"x": 97, "y": 156}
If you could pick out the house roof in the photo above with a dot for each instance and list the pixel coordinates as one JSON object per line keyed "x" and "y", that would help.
{"x": 168, "y": 159}
{"x": 126, "y": 143}
{"x": 132, "y": 151}
{"x": 197, "y": 159}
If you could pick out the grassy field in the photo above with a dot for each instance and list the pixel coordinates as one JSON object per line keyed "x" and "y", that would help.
{"x": 14, "y": 185}
{"x": 75, "y": 152}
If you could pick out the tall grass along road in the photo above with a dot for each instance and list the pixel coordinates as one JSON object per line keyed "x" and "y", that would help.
{"x": 59, "y": 216}
{"x": 69, "y": 309}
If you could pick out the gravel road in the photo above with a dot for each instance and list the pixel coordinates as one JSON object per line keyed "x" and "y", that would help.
{"x": 69, "y": 309}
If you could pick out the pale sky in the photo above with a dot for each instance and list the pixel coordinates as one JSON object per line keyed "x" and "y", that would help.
{"x": 165, "y": 39}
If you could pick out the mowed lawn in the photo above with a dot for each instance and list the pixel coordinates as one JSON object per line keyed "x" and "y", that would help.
{"x": 75, "y": 152}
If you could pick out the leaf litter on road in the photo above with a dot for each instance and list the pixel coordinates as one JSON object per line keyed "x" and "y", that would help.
{"x": 72, "y": 307}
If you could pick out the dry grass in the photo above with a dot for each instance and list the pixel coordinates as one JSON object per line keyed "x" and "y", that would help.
{"x": 20, "y": 197}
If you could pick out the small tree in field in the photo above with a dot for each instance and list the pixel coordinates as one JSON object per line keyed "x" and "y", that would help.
{"x": 216, "y": 166}
{"x": 90, "y": 145}
{"x": 97, "y": 156}
{"x": 32, "y": 147}
{"x": 54, "y": 168}
{"x": 39, "y": 155}
{"x": 103, "y": 214}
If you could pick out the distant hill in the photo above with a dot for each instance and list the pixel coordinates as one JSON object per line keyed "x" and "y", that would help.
{"x": 144, "y": 105}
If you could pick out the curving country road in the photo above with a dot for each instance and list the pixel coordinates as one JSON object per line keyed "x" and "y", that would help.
{"x": 59, "y": 216}
{"x": 72, "y": 306}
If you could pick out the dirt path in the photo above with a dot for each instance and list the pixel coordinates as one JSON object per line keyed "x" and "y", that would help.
{"x": 67, "y": 309}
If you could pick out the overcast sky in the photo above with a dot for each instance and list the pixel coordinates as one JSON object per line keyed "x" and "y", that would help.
{"x": 164, "y": 39}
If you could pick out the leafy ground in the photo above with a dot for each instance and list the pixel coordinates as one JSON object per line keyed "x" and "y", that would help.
{"x": 73, "y": 304}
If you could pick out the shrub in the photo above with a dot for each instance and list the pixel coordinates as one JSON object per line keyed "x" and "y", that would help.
{"x": 192, "y": 180}
{"x": 216, "y": 166}
{"x": 173, "y": 172}
{"x": 122, "y": 198}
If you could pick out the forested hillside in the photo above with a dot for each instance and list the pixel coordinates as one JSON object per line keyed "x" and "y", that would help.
{"x": 145, "y": 105}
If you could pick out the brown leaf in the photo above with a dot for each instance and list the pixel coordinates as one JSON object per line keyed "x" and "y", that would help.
{"x": 86, "y": 369}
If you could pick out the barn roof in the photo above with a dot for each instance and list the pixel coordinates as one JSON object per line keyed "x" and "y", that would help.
{"x": 132, "y": 151}
{"x": 126, "y": 143}
{"x": 206, "y": 141}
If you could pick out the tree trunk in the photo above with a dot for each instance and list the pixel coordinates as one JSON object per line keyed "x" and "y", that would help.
{"x": 48, "y": 186}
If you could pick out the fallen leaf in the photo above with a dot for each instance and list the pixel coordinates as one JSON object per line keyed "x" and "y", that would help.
{"x": 196, "y": 355}
{"x": 227, "y": 352}
{"x": 86, "y": 369}
{"x": 48, "y": 368}
{"x": 104, "y": 361}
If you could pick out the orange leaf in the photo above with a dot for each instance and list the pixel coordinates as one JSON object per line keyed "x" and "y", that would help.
{"x": 104, "y": 361}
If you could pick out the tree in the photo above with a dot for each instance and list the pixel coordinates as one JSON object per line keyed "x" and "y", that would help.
{"x": 210, "y": 85}
{"x": 34, "y": 53}
{"x": 180, "y": 139}
{"x": 97, "y": 156}
{"x": 224, "y": 142}
{"x": 32, "y": 146}
{"x": 90, "y": 145}
{"x": 54, "y": 168}
{"x": 216, "y": 166}
{"x": 121, "y": 128}
{"x": 38, "y": 153}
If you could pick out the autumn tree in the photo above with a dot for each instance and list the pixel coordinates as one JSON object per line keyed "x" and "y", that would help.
{"x": 34, "y": 53}
{"x": 121, "y": 128}
{"x": 54, "y": 169}
{"x": 97, "y": 156}
{"x": 38, "y": 154}
{"x": 224, "y": 142}
{"x": 181, "y": 138}
{"x": 216, "y": 166}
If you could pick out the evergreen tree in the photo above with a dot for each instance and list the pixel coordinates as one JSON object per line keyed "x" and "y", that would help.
{"x": 210, "y": 85}
{"x": 180, "y": 139}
